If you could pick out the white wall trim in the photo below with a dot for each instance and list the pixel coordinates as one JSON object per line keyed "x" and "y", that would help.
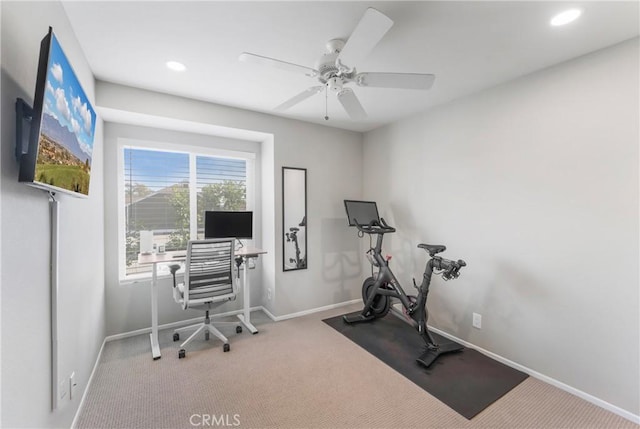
{"x": 174, "y": 324}
{"x": 535, "y": 374}
{"x": 232, "y": 313}
{"x": 86, "y": 388}
{"x": 310, "y": 311}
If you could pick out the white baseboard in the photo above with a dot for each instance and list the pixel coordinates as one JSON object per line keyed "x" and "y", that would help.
{"x": 535, "y": 374}
{"x": 397, "y": 311}
{"x": 86, "y": 388}
{"x": 310, "y": 311}
{"x": 268, "y": 313}
{"x": 173, "y": 325}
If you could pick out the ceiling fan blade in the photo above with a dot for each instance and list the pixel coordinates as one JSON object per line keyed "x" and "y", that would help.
{"x": 266, "y": 61}
{"x": 300, "y": 97}
{"x": 351, "y": 104}
{"x": 396, "y": 80}
{"x": 372, "y": 27}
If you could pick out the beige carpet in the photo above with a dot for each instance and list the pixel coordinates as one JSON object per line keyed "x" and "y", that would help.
{"x": 298, "y": 373}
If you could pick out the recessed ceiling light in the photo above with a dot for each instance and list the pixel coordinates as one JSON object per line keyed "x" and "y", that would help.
{"x": 176, "y": 66}
{"x": 565, "y": 17}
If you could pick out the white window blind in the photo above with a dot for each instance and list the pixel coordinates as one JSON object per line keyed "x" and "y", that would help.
{"x": 221, "y": 185}
{"x": 167, "y": 193}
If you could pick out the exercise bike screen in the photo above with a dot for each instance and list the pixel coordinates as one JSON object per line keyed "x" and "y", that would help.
{"x": 362, "y": 211}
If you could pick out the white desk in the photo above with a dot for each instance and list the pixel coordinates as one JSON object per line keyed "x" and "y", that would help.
{"x": 154, "y": 259}
{"x": 247, "y": 253}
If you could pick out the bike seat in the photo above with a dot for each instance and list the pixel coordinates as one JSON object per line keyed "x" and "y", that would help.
{"x": 432, "y": 248}
{"x": 294, "y": 229}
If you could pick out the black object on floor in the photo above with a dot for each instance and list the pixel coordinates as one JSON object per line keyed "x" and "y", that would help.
{"x": 467, "y": 381}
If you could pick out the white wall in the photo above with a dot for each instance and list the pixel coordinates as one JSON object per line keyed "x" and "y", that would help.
{"x": 535, "y": 184}
{"x": 334, "y": 171}
{"x": 26, "y": 367}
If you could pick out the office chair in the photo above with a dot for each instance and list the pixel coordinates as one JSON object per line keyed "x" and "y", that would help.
{"x": 209, "y": 281}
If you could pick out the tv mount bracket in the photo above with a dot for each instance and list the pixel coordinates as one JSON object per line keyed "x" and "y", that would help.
{"x": 24, "y": 115}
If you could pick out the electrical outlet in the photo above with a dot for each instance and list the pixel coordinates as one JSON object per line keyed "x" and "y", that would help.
{"x": 269, "y": 293}
{"x": 477, "y": 320}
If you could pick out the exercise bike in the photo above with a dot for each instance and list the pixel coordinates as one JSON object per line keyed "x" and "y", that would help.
{"x": 378, "y": 289}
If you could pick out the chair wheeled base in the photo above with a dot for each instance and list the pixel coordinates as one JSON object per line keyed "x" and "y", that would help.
{"x": 208, "y": 328}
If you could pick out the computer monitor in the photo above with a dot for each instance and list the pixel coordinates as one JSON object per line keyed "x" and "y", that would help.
{"x": 362, "y": 211}
{"x": 219, "y": 224}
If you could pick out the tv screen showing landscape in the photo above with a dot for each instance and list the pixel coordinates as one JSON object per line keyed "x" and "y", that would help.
{"x": 62, "y": 129}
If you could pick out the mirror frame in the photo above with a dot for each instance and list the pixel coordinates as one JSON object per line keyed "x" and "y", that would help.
{"x": 285, "y": 229}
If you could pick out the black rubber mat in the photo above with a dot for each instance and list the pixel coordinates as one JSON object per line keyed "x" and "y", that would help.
{"x": 467, "y": 381}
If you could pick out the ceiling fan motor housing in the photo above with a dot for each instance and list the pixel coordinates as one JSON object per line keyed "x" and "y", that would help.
{"x": 334, "y": 46}
{"x": 326, "y": 64}
{"x": 326, "y": 67}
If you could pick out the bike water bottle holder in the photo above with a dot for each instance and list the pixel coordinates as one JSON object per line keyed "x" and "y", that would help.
{"x": 371, "y": 258}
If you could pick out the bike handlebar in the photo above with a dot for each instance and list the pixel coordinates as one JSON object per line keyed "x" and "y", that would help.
{"x": 451, "y": 269}
{"x": 374, "y": 227}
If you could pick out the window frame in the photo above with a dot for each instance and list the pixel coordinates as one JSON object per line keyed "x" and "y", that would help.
{"x": 193, "y": 151}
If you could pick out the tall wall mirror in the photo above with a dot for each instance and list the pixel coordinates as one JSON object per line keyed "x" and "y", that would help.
{"x": 294, "y": 218}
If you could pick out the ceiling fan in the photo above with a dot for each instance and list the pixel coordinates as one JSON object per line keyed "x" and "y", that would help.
{"x": 335, "y": 68}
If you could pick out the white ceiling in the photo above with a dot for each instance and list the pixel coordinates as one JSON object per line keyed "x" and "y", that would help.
{"x": 469, "y": 46}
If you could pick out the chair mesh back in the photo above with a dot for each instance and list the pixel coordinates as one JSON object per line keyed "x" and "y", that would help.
{"x": 209, "y": 274}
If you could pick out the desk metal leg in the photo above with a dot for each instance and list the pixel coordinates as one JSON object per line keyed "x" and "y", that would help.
{"x": 155, "y": 346}
{"x": 245, "y": 318}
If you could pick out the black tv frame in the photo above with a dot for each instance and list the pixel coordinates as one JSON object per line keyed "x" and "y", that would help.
{"x": 29, "y": 123}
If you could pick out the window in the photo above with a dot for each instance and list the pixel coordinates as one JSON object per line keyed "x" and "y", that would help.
{"x": 167, "y": 192}
{"x": 221, "y": 185}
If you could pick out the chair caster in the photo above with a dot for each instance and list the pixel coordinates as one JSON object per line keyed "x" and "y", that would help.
{"x": 226, "y": 348}
{"x": 182, "y": 353}
{"x": 238, "y": 329}
{"x": 176, "y": 337}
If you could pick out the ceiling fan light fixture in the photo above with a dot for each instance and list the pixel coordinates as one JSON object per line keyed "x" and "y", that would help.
{"x": 175, "y": 66}
{"x": 335, "y": 84}
{"x": 566, "y": 17}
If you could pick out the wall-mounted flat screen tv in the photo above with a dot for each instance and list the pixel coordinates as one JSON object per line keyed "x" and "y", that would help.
{"x": 63, "y": 124}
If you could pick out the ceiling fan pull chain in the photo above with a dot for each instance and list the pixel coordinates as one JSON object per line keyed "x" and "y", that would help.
{"x": 326, "y": 107}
